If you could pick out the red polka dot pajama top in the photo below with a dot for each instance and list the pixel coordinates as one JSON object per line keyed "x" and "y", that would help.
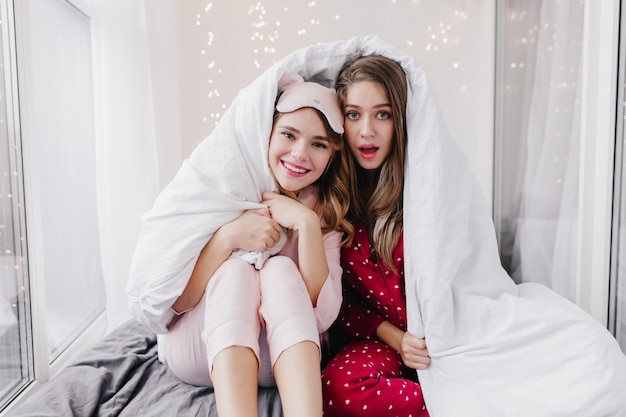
{"x": 367, "y": 377}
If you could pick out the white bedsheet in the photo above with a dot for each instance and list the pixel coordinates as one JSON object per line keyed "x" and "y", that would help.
{"x": 497, "y": 349}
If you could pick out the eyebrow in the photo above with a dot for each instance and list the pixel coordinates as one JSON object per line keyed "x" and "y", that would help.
{"x": 377, "y": 106}
{"x": 293, "y": 129}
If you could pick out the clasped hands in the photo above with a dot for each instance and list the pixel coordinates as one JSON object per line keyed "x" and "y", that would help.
{"x": 260, "y": 229}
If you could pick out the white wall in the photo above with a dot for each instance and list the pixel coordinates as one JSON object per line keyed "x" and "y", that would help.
{"x": 225, "y": 45}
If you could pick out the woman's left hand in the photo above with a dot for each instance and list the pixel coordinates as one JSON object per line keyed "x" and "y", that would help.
{"x": 290, "y": 213}
{"x": 414, "y": 352}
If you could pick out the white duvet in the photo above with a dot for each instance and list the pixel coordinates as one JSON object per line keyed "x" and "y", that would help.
{"x": 498, "y": 349}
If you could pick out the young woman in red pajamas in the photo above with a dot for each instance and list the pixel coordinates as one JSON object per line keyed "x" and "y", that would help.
{"x": 374, "y": 374}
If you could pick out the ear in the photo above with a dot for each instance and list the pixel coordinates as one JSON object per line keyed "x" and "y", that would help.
{"x": 289, "y": 79}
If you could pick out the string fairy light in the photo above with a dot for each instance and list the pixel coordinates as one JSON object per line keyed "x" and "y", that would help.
{"x": 273, "y": 25}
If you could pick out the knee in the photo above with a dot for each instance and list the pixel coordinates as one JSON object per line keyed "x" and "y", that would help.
{"x": 233, "y": 293}
{"x": 280, "y": 275}
{"x": 235, "y": 273}
{"x": 339, "y": 382}
{"x": 235, "y": 266}
{"x": 336, "y": 396}
{"x": 280, "y": 263}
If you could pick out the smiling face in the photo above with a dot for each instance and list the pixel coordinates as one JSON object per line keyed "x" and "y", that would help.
{"x": 368, "y": 123}
{"x": 299, "y": 149}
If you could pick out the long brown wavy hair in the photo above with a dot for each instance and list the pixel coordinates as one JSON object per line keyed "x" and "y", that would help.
{"x": 380, "y": 212}
{"x": 333, "y": 198}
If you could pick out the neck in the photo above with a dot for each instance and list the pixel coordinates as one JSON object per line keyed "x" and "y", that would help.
{"x": 368, "y": 179}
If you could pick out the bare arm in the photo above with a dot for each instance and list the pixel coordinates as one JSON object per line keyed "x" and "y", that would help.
{"x": 253, "y": 230}
{"x": 312, "y": 256}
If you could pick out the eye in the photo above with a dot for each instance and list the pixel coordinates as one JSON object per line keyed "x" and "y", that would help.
{"x": 352, "y": 115}
{"x": 383, "y": 115}
{"x": 288, "y": 135}
{"x": 320, "y": 145}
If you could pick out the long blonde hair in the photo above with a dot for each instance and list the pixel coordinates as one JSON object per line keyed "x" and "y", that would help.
{"x": 380, "y": 212}
{"x": 333, "y": 198}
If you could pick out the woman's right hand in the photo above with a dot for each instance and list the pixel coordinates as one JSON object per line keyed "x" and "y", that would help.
{"x": 254, "y": 230}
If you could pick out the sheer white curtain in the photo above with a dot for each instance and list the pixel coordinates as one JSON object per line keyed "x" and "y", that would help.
{"x": 539, "y": 139}
{"x": 138, "y": 144}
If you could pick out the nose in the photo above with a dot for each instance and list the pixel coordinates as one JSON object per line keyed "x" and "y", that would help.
{"x": 299, "y": 150}
{"x": 367, "y": 127}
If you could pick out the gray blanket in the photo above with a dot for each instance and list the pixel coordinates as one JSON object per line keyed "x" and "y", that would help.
{"x": 121, "y": 376}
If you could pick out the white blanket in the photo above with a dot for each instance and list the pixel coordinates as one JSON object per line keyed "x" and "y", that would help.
{"x": 497, "y": 349}
{"x": 225, "y": 175}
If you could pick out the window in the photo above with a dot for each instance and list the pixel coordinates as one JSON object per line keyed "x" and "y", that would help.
{"x": 52, "y": 280}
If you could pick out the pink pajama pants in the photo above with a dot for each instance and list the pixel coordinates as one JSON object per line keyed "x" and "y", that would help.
{"x": 266, "y": 310}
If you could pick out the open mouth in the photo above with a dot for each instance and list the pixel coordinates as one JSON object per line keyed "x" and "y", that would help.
{"x": 368, "y": 151}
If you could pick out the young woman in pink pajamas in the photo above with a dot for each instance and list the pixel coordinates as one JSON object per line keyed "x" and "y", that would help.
{"x": 240, "y": 327}
{"x": 374, "y": 374}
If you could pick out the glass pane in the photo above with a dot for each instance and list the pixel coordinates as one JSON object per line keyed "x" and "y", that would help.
{"x": 61, "y": 139}
{"x": 15, "y": 331}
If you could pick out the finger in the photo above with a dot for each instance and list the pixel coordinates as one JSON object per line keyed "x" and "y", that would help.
{"x": 419, "y": 366}
{"x": 275, "y": 227}
{"x": 422, "y": 357}
{"x": 268, "y": 195}
{"x": 275, "y": 235}
{"x": 417, "y": 358}
{"x": 272, "y": 236}
{"x": 418, "y": 363}
{"x": 265, "y": 212}
{"x": 415, "y": 349}
{"x": 416, "y": 343}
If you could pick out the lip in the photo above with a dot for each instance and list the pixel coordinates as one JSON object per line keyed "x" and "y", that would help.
{"x": 368, "y": 151}
{"x": 294, "y": 170}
